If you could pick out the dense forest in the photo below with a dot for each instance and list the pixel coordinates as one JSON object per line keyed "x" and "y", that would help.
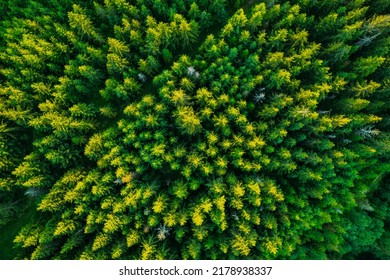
{"x": 194, "y": 129}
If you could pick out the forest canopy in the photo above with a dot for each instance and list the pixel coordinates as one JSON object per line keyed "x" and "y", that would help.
{"x": 194, "y": 129}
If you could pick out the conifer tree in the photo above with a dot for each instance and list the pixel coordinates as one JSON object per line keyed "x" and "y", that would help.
{"x": 190, "y": 130}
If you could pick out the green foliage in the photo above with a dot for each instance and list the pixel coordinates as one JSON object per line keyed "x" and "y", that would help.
{"x": 137, "y": 134}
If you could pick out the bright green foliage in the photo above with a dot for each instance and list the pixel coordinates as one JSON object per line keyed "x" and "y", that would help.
{"x": 140, "y": 135}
